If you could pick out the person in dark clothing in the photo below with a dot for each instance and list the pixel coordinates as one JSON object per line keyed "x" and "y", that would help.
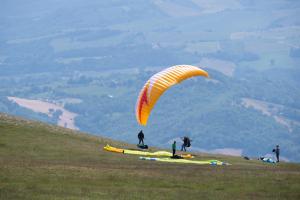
{"x": 141, "y": 137}
{"x": 174, "y": 148}
{"x": 184, "y": 139}
{"x": 186, "y": 143}
{"x": 277, "y": 152}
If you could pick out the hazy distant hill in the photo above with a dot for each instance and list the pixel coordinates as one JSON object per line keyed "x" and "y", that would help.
{"x": 92, "y": 58}
{"x": 51, "y": 35}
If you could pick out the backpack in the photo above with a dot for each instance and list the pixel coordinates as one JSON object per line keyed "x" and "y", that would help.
{"x": 188, "y": 142}
{"x": 142, "y": 146}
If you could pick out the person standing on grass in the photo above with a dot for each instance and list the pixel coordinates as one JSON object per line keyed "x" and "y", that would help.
{"x": 186, "y": 143}
{"x": 174, "y": 148}
{"x": 277, "y": 152}
{"x": 141, "y": 137}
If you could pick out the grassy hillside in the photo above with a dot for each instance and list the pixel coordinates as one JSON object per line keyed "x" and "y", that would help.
{"x": 38, "y": 161}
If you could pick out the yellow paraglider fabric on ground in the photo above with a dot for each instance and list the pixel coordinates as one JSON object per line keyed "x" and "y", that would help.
{"x": 113, "y": 149}
{"x": 143, "y": 153}
{"x": 199, "y": 162}
{"x": 166, "y": 154}
{"x": 157, "y": 153}
{"x": 158, "y": 84}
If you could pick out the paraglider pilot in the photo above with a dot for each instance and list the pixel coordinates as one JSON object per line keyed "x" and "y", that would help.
{"x": 186, "y": 143}
{"x": 174, "y": 148}
{"x": 277, "y": 152}
{"x": 141, "y": 137}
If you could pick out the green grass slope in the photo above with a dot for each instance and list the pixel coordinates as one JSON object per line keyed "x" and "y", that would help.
{"x": 39, "y": 161}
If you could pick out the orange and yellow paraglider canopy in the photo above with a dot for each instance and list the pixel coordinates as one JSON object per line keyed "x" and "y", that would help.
{"x": 158, "y": 84}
